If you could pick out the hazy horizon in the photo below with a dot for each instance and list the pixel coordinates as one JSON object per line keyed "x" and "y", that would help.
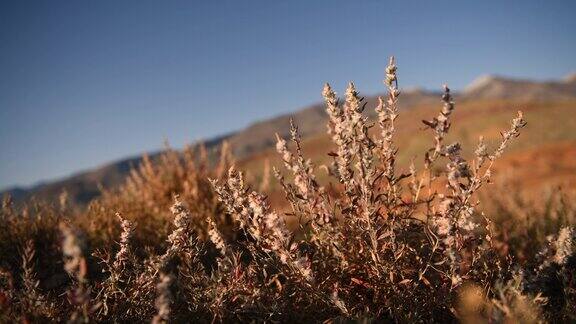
{"x": 86, "y": 84}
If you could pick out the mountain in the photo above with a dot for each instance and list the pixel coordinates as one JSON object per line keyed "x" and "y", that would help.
{"x": 83, "y": 187}
{"x": 494, "y": 87}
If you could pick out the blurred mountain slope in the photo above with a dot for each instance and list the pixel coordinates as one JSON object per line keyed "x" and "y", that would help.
{"x": 550, "y": 109}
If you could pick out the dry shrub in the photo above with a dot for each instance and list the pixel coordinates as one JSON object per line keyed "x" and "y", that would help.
{"x": 184, "y": 241}
{"x": 147, "y": 195}
{"x": 516, "y": 217}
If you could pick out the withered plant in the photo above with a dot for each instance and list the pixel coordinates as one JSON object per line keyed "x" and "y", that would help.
{"x": 187, "y": 240}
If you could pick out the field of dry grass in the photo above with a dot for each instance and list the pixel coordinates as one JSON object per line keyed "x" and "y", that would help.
{"x": 339, "y": 227}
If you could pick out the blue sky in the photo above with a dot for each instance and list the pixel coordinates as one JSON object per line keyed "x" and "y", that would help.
{"x": 85, "y": 82}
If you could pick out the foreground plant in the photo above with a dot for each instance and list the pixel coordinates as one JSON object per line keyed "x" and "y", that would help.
{"x": 383, "y": 246}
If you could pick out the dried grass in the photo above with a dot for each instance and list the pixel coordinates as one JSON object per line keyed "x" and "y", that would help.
{"x": 184, "y": 240}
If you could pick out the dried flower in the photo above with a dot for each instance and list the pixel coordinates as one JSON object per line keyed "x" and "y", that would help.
{"x": 215, "y": 236}
{"x": 565, "y": 245}
{"x": 124, "y": 253}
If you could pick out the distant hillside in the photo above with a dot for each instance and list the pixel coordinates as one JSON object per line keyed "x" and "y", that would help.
{"x": 493, "y": 87}
{"x": 311, "y": 121}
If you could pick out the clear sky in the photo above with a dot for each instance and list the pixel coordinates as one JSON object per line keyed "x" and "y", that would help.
{"x": 85, "y": 82}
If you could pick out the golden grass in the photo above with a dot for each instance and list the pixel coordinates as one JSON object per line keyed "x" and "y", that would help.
{"x": 373, "y": 238}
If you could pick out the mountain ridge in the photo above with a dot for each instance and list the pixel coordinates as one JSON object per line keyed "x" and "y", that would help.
{"x": 499, "y": 87}
{"x": 85, "y": 185}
